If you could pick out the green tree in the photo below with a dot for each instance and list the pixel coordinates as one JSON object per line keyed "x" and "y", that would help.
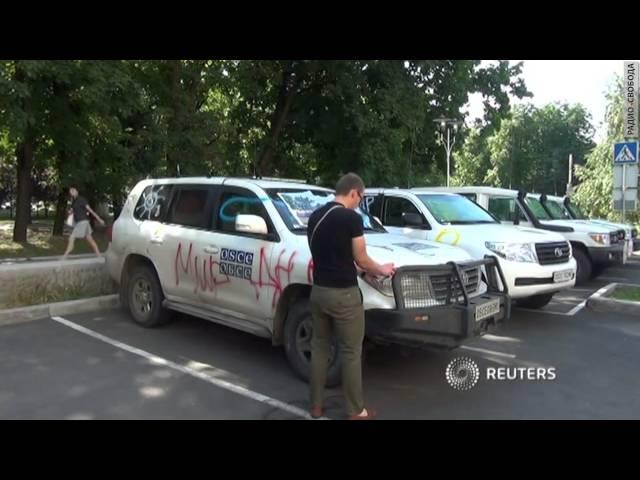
{"x": 529, "y": 150}
{"x": 595, "y": 189}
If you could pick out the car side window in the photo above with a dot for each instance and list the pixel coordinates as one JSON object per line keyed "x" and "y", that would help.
{"x": 394, "y": 208}
{"x": 504, "y": 208}
{"x": 153, "y": 202}
{"x": 236, "y": 202}
{"x": 373, "y": 204}
{"x": 189, "y": 207}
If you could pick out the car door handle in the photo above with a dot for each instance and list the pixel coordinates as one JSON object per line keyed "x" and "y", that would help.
{"x": 157, "y": 241}
{"x": 211, "y": 249}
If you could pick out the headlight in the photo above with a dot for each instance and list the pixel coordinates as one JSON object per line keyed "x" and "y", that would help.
{"x": 514, "y": 252}
{"x": 384, "y": 285}
{"x": 601, "y": 238}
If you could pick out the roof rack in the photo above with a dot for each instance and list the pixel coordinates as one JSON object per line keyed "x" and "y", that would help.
{"x": 275, "y": 179}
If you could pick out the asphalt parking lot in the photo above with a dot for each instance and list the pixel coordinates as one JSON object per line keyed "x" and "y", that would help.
{"x": 102, "y": 366}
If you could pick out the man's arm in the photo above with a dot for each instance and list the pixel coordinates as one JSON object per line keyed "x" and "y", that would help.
{"x": 94, "y": 214}
{"x": 366, "y": 263}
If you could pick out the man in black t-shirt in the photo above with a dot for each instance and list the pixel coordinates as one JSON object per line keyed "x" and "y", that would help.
{"x": 80, "y": 210}
{"x": 336, "y": 239}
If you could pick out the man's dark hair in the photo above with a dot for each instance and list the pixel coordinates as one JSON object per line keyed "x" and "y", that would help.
{"x": 349, "y": 182}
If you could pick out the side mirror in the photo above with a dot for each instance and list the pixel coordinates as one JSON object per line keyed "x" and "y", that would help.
{"x": 412, "y": 220}
{"x": 251, "y": 224}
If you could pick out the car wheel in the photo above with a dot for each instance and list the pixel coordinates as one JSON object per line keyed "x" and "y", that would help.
{"x": 297, "y": 343}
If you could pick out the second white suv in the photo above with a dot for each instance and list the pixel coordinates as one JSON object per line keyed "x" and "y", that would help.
{"x": 235, "y": 251}
{"x": 593, "y": 246}
{"x": 536, "y": 264}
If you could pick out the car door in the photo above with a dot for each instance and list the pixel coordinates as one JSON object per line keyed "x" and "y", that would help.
{"x": 246, "y": 260}
{"x": 181, "y": 244}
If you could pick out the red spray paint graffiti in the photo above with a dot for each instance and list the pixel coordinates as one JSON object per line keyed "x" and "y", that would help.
{"x": 206, "y": 280}
{"x": 272, "y": 277}
{"x": 310, "y": 272}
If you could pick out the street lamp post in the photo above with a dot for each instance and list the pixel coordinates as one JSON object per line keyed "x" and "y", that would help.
{"x": 448, "y": 124}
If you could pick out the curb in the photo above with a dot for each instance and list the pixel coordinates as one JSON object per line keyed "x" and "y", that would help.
{"x": 598, "y": 302}
{"x": 45, "y": 259}
{"x": 39, "y": 312}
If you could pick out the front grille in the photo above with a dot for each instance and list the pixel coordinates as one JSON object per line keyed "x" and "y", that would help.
{"x": 553, "y": 252}
{"x": 616, "y": 237}
{"x": 419, "y": 289}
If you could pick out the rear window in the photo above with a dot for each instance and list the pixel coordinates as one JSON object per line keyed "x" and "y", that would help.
{"x": 152, "y": 204}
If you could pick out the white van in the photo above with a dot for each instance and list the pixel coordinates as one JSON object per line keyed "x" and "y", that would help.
{"x": 593, "y": 246}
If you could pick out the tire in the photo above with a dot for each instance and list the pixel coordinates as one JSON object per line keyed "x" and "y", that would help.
{"x": 585, "y": 267}
{"x": 536, "y": 301}
{"x": 598, "y": 269}
{"x": 298, "y": 331}
{"x": 144, "y": 298}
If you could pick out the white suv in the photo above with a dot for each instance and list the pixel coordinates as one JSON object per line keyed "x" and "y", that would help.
{"x": 235, "y": 251}
{"x": 560, "y": 208}
{"x": 593, "y": 246}
{"x": 535, "y": 263}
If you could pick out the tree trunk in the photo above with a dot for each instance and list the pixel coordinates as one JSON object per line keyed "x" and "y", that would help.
{"x": 24, "y": 154}
{"x": 286, "y": 95}
{"x": 173, "y": 124}
{"x": 61, "y": 213}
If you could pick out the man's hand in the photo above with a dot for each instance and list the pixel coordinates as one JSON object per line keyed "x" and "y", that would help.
{"x": 387, "y": 269}
{"x": 101, "y": 221}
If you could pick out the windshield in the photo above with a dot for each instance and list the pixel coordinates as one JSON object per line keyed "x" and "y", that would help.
{"x": 456, "y": 210}
{"x": 537, "y": 208}
{"x": 557, "y": 210}
{"x": 576, "y": 211}
{"x": 295, "y": 206}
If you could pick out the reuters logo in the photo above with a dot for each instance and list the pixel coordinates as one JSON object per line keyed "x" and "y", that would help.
{"x": 462, "y": 373}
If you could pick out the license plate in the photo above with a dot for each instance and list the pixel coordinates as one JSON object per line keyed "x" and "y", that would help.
{"x": 487, "y": 310}
{"x": 562, "y": 276}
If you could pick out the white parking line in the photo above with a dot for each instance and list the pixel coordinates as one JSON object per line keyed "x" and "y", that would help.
{"x": 571, "y": 312}
{"x": 489, "y": 352}
{"x": 245, "y": 392}
{"x": 577, "y": 308}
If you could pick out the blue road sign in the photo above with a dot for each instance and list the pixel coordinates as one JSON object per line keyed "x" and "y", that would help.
{"x": 625, "y": 152}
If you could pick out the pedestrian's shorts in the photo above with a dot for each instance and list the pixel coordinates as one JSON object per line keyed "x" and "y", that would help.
{"x": 81, "y": 229}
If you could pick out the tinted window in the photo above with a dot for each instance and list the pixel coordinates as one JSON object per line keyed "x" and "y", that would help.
{"x": 189, "y": 207}
{"x": 152, "y": 204}
{"x": 557, "y": 210}
{"x": 504, "y": 208}
{"x": 395, "y": 207}
{"x": 374, "y": 205}
{"x": 537, "y": 208}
